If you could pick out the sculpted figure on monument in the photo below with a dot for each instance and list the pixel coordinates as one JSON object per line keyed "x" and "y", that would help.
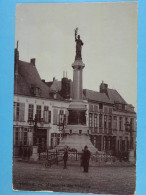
{"x": 79, "y": 44}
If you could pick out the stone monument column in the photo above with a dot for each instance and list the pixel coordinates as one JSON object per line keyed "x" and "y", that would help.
{"x": 76, "y": 133}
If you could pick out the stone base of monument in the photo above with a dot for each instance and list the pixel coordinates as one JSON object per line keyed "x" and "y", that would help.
{"x": 77, "y": 142}
{"x": 35, "y": 155}
{"x": 131, "y": 157}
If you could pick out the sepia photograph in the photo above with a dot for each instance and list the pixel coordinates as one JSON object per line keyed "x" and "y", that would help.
{"x": 75, "y": 97}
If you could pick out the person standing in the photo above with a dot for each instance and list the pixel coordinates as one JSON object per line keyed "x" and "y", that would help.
{"x": 85, "y": 159}
{"x": 65, "y": 158}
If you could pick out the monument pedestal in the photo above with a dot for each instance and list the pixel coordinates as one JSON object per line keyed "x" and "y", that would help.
{"x": 35, "y": 155}
{"x": 76, "y": 142}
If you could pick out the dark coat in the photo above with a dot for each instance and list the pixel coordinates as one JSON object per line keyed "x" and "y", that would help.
{"x": 86, "y": 157}
{"x": 65, "y": 156}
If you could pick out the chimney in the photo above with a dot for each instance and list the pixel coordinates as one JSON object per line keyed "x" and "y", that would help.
{"x": 32, "y": 61}
{"x": 53, "y": 79}
{"x": 103, "y": 87}
{"x": 43, "y": 80}
{"x": 16, "y": 59}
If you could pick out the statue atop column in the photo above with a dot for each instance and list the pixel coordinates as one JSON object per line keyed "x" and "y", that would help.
{"x": 79, "y": 44}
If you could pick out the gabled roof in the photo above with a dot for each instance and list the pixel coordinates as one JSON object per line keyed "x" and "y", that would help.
{"x": 96, "y": 96}
{"x": 28, "y": 76}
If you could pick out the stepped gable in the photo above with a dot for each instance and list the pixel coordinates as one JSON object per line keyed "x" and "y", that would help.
{"x": 96, "y": 96}
{"x": 28, "y": 77}
{"x": 115, "y": 97}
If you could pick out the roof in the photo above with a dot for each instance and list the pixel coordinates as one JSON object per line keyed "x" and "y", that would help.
{"x": 28, "y": 76}
{"x": 96, "y": 96}
{"x": 115, "y": 97}
{"x": 56, "y": 86}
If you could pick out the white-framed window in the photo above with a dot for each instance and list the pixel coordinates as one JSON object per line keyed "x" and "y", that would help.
{"x": 38, "y": 112}
{"x": 110, "y": 122}
{"x": 115, "y": 122}
{"x": 105, "y": 121}
{"x": 95, "y": 120}
{"x": 30, "y": 111}
{"x": 19, "y": 111}
{"x": 90, "y": 119}
{"x": 100, "y": 120}
{"x": 120, "y": 123}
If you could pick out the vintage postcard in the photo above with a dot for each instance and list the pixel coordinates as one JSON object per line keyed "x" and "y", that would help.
{"x": 75, "y": 98}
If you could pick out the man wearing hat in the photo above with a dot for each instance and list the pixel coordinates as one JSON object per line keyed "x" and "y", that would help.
{"x": 85, "y": 159}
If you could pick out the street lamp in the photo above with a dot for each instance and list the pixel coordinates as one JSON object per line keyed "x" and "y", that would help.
{"x": 129, "y": 129}
{"x": 34, "y": 122}
{"x": 62, "y": 123}
{"x": 35, "y": 127}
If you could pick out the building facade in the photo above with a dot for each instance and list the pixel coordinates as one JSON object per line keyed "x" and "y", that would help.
{"x": 43, "y": 106}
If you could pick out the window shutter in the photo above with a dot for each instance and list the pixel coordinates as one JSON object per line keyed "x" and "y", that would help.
{"x": 55, "y": 116}
{"x": 66, "y": 114}
{"x": 46, "y": 116}
{"x": 22, "y": 111}
{"x": 95, "y": 108}
{"x": 14, "y": 111}
{"x": 49, "y": 116}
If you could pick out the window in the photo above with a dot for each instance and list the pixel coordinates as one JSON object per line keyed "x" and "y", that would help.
{"x": 46, "y": 114}
{"x": 35, "y": 90}
{"x": 61, "y": 117}
{"x": 16, "y": 136}
{"x": 105, "y": 109}
{"x": 95, "y": 108}
{"x": 120, "y": 123}
{"x": 91, "y": 108}
{"x": 49, "y": 116}
{"x": 120, "y": 106}
{"x": 132, "y": 123}
{"x": 38, "y": 112}
{"x": 100, "y": 120}
{"x": 80, "y": 132}
{"x": 95, "y": 120}
{"x": 110, "y": 122}
{"x": 19, "y": 110}
{"x": 100, "y": 106}
{"x": 90, "y": 119}
{"x": 115, "y": 122}
{"x": 30, "y": 111}
{"x": 105, "y": 122}
{"x": 110, "y": 110}
{"x": 123, "y": 107}
{"x": 25, "y": 137}
{"x": 55, "y": 116}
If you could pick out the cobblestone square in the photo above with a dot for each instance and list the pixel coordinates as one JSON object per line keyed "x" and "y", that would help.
{"x": 99, "y": 180}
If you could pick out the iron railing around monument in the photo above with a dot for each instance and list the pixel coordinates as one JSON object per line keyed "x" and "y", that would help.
{"x": 95, "y": 159}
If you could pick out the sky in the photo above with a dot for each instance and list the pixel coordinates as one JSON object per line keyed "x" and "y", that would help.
{"x": 109, "y": 34}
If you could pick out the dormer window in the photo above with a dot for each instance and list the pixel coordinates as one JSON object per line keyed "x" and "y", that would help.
{"x": 35, "y": 90}
{"x": 55, "y": 95}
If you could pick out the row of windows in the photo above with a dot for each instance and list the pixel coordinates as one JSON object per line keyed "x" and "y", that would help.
{"x": 94, "y": 108}
{"x": 19, "y": 111}
{"x": 108, "y": 121}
